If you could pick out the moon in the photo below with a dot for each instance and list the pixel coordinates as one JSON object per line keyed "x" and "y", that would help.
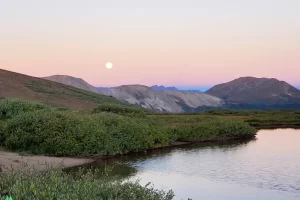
{"x": 109, "y": 65}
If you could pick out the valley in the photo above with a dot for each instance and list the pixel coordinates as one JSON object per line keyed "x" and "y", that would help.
{"x": 50, "y": 124}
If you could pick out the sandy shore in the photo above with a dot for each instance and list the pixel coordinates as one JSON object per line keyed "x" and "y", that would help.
{"x": 10, "y": 160}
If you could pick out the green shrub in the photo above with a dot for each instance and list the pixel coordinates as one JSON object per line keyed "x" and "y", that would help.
{"x": 12, "y": 107}
{"x": 73, "y": 133}
{"x": 234, "y": 112}
{"x": 40, "y": 129}
{"x": 127, "y": 110}
{"x": 214, "y": 129}
{"x": 28, "y": 184}
{"x": 2, "y": 132}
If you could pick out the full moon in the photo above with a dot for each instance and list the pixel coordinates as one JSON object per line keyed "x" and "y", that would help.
{"x": 109, "y": 65}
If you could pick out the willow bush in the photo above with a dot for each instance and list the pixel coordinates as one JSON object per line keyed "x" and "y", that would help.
{"x": 72, "y": 133}
{"x": 55, "y": 184}
{"x": 214, "y": 129}
{"x": 39, "y": 129}
{"x": 121, "y": 109}
{"x": 2, "y": 132}
{"x": 10, "y": 107}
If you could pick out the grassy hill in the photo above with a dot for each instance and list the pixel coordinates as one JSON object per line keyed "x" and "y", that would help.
{"x": 52, "y": 93}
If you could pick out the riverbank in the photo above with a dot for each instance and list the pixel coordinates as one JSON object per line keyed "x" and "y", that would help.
{"x": 112, "y": 130}
{"x": 9, "y": 161}
{"x": 14, "y": 160}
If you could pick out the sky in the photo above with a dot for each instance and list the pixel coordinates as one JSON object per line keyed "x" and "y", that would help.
{"x": 185, "y": 43}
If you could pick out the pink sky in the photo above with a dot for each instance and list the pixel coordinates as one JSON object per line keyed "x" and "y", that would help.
{"x": 185, "y": 44}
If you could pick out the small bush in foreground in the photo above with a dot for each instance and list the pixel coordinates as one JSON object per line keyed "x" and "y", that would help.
{"x": 27, "y": 184}
{"x": 13, "y": 107}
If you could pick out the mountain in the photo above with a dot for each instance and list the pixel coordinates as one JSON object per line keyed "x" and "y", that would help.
{"x": 164, "y": 100}
{"x": 161, "y": 87}
{"x": 75, "y": 82}
{"x": 102, "y": 89}
{"x": 36, "y": 89}
{"x": 251, "y": 92}
{"x": 245, "y": 92}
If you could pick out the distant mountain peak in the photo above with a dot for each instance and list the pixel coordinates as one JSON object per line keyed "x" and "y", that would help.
{"x": 267, "y": 92}
{"x": 161, "y": 87}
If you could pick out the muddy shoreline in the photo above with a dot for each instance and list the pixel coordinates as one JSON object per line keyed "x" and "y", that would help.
{"x": 9, "y": 161}
{"x": 13, "y": 160}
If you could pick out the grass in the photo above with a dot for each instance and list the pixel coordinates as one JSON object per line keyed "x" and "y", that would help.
{"x": 55, "y": 184}
{"x": 121, "y": 109}
{"x": 257, "y": 118}
{"x": 64, "y": 91}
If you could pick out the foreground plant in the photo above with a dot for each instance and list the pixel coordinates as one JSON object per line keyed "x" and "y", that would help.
{"x": 55, "y": 184}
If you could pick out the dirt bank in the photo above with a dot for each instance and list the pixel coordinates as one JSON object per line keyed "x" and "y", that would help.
{"x": 10, "y": 160}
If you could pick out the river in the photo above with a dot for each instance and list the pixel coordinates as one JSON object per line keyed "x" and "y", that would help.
{"x": 265, "y": 168}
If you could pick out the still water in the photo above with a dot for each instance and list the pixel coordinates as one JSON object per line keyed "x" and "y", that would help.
{"x": 265, "y": 168}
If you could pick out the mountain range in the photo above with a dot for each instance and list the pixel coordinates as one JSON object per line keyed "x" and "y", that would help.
{"x": 162, "y": 99}
{"x": 161, "y": 87}
{"x": 68, "y": 91}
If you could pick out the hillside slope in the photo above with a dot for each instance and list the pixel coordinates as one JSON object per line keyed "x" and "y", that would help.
{"x": 258, "y": 92}
{"x": 35, "y": 89}
{"x": 72, "y": 81}
{"x": 164, "y": 100}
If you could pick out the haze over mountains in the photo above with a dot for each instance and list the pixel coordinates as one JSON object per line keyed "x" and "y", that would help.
{"x": 242, "y": 93}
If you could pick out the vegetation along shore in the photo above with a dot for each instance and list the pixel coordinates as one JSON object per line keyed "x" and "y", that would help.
{"x": 110, "y": 129}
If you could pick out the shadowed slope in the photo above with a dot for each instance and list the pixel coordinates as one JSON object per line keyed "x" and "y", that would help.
{"x": 30, "y": 88}
{"x": 72, "y": 81}
{"x": 258, "y": 91}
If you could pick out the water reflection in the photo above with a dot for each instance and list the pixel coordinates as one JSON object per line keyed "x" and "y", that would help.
{"x": 268, "y": 167}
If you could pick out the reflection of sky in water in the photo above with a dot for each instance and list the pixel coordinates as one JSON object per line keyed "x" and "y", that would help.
{"x": 266, "y": 168}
